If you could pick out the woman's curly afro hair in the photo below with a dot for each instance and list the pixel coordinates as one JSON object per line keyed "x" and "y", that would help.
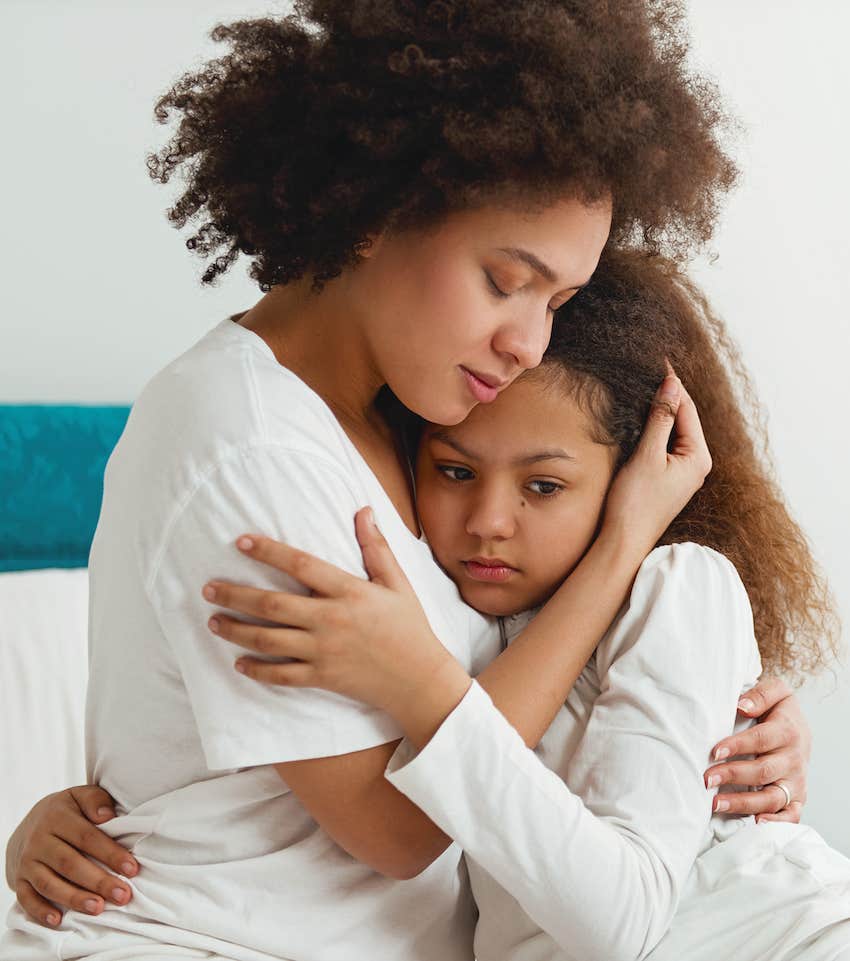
{"x": 348, "y": 117}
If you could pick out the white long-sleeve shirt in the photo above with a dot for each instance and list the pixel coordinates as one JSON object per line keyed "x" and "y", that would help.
{"x": 581, "y": 849}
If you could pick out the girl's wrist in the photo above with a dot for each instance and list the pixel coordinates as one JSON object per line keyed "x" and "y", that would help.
{"x": 422, "y": 707}
{"x": 623, "y": 544}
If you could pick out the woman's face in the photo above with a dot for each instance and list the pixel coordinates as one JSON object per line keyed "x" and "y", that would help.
{"x": 452, "y": 315}
{"x": 510, "y": 499}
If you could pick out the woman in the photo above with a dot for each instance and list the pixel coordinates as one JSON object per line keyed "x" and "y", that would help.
{"x": 444, "y": 141}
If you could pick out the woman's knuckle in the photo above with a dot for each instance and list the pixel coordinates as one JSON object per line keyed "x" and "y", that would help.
{"x": 90, "y": 838}
{"x": 46, "y": 886}
{"x": 336, "y": 618}
{"x": 767, "y": 771}
{"x": 269, "y": 606}
{"x": 300, "y": 564}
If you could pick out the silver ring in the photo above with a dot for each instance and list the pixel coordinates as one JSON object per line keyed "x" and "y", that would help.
{"x": 786, "y": 792}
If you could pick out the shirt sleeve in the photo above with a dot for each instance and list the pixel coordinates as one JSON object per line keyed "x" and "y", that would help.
{"x": 304, "y": 501}
{"x": 599, "y": 862}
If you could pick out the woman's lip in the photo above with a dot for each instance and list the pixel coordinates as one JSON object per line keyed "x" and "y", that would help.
{"x": 492, "y": 572}
{"x": 480, "y": 390}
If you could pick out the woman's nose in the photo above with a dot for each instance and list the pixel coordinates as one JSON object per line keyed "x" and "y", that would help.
{"x": 491, "y": 518}
{"x": 526, "y": 337}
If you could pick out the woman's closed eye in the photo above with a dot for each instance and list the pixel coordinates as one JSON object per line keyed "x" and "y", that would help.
{"x": 495, "y": 289}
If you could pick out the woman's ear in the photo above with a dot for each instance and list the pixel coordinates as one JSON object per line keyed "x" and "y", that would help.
{"x": 370, "y": 244}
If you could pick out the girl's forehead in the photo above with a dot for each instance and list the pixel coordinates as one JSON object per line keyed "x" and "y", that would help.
{"x": 531, "y": 415}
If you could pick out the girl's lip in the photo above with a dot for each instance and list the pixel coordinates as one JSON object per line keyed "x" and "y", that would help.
{"x": 492, "y": 571}
{"x": 480, "y": 390}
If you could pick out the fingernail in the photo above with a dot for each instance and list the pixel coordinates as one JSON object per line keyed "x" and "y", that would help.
{"x": 713, "y": 780}
{"x": 669, "y": 389}
{"x": 52, "y": 919}
{"x": 128, "y": 868}
{"x": 244, "y": 543}
{"x": 721, "y": 753}
{"x": 119, "y": 895}
{"x": 746, "y": 705}
{"x": 91, "y": 905}
{"x": 721, "y": 806}
{"x": 213, "y": 625}
{"x": 240, "y": 667}
{"x": 370, "y": 518}
{"x": 105, "y": 812}
{"x": 209, "y": 592}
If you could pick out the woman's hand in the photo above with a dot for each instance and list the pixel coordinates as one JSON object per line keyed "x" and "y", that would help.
{"x": 368, "y": 640}
{"x": 656, "y": 483}
{"x": 782, "y": 745}
{"x": 47, "y": 857}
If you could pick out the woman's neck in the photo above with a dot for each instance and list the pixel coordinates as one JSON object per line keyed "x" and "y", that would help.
{"x": 315, "y": 337}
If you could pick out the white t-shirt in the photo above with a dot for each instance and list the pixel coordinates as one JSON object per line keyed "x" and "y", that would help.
{"x": 226, "y": 441}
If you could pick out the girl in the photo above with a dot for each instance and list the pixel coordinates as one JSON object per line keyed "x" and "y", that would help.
{"x": 380, "y": 163}
{"x": 619, "y": 856}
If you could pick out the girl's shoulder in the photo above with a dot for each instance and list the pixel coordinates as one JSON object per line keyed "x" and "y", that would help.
{"x": 688, "y": 610}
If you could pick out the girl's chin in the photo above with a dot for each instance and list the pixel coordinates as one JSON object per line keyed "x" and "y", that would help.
{"x": 492, "y": 606}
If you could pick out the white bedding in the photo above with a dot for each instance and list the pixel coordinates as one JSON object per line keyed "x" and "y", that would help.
{"x": 43, "y": 646}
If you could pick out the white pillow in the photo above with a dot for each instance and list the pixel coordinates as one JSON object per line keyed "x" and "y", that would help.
{"x": 43, "y": 673}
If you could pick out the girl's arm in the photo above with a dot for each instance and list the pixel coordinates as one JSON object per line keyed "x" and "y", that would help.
{"x": 598, "y": 860}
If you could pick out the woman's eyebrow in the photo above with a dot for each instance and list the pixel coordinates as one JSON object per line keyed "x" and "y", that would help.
{"x": 527, "y": 257}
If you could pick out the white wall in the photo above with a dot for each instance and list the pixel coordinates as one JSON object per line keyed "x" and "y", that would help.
{"x": 100, "y": 293}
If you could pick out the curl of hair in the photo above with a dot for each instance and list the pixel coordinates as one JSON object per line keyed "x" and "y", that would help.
{"x": 608, "y": 348}
{"x": 321, "y": 128}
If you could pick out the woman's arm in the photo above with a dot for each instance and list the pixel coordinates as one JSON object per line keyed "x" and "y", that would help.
{"x": 531, "y": 679}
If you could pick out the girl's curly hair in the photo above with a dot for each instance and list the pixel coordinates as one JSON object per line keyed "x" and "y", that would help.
{"x": 608, "y": 347}
{"x": 347, "y": 117}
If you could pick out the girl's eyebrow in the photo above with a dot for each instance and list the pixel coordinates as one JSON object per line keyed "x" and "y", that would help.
{"x": 554, "y": 453}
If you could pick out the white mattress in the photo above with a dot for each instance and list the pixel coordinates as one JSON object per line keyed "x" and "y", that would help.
{"x": 43, "y": 653}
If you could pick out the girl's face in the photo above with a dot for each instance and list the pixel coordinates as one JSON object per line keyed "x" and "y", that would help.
{"x": 452, "y": 315}
{"x": 511, "y": 498}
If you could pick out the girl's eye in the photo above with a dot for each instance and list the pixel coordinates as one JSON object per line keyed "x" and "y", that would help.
{"x": 455, "y": 473}
{"x": 545, "y": 488}
{"x": 494, "y": 287}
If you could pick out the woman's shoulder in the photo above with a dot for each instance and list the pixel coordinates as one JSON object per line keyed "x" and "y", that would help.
{"x": 228, "y": 392}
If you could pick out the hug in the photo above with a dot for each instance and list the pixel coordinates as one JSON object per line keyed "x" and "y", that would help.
{"x": 425, "y": 591}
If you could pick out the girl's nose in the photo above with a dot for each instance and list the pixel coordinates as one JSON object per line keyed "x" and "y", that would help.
{"x": 491, "y": 518}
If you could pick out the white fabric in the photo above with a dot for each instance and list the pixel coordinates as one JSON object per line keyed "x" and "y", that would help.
{"x": 43, "y": 618}
{"x": 603, "y": 833}
{"x": 223, "y": 442}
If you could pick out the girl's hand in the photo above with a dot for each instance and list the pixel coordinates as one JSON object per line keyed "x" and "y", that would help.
{"x": 782, "y": 743}
{"x": 368, "y": 640}
{"x": 47, "y": 858}
{"x": 655, "y": 484}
